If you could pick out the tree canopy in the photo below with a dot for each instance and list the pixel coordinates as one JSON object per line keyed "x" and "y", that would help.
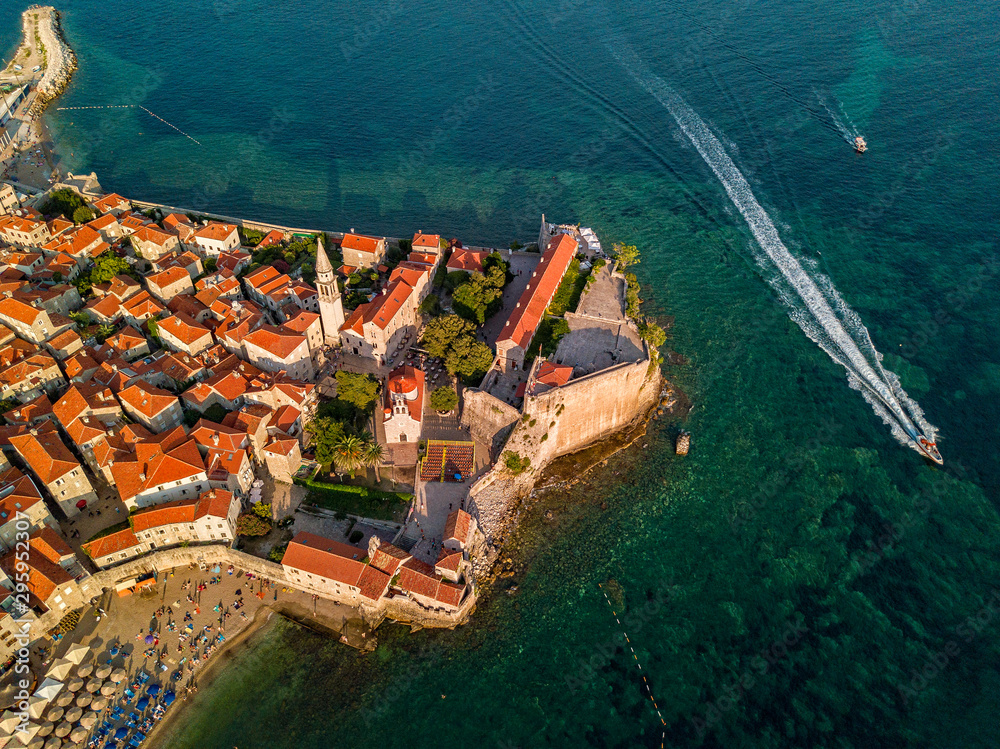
{"x": 107, "y": 266}
{"x": 360, "y": 390}
{"x": 63, "y": 202}
{"x": 626, "y": 255}
{"x": 481, "y": 296}
{"x": 444, "y": 398}
{"x": 326, "y": 433}
{"x": 442, "y": 331}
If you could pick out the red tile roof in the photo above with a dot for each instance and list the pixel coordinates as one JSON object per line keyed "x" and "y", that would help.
{"x": 554, "y": 375}
{"x": 114, "y": 543}
{"x": 419, "y": 578}
{"x": 360, "y": 242}
{"x": 457, "y": 526}
{"x": 404, "y": 380}
{"x": 545, "y": 279}
{"x": 23, "y": 494}
{"x": 427, "y": 240}
{"x": 215, "y": 231}
{"x": 167, "y": 277}
{"x": 281, "y": 343}
{"x": 45, "y": 451}
{"x": 184, "y": 328}
{"x": 147, "y": 399}
{"x": 467, "y": 260}
{"x": 332, "y": 560}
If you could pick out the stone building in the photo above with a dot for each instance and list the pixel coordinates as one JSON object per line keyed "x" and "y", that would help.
{"x": 156, "y": 409}
{"x": 361, "y": 251}
{"x": 331, "y": 306}
{"x": 282, "y": 456}
{"x": 43, "y": 450}
{"x": 404, "y": 403}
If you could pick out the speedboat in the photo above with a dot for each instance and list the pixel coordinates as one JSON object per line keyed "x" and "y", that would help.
{"x": 859, "y": 145}
{"x": 929, "y": 449}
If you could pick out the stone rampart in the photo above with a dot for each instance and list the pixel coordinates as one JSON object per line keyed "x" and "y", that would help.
{"x": 488, "y": 419}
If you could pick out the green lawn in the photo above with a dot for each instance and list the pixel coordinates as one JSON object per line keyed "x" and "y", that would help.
{"x": 356, "y": 500}
{"x": 567, "y": 296}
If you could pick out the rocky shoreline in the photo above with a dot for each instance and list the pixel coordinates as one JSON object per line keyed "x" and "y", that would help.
{"x": 60, "y": 58}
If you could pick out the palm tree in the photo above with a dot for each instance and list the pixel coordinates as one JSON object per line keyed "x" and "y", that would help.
{"x": 373, "y": 454}
{"x": 349, "y": 453}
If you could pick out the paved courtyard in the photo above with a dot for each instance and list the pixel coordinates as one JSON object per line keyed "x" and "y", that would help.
{"x": 521, "y": 265}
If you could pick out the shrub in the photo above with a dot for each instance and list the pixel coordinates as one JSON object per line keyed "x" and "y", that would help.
{"x": 356, "y": 536}
{"x": 262, "y": 510}
{"x": 250, "y": 524}
{"x": 277, "y": 553}
{"x": 515, "y": 463}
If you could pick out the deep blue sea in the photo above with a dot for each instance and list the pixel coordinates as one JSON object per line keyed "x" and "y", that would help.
{"x": 800, "y": 579}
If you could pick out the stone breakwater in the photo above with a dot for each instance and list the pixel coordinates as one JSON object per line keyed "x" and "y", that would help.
{"x": 40, "y": 24}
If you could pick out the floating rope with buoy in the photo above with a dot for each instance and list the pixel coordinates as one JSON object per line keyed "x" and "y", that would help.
{"x": 638, "y": 665}
{"x": 131, "y": 106}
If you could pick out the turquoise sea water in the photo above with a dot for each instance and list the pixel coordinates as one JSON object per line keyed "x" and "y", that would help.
{"x": 800, "y": 579}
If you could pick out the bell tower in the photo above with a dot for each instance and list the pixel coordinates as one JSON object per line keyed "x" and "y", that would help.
{"x": 331, "y": 308}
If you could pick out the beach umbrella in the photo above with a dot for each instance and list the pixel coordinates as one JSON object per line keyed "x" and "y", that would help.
{"x": 79, "y": 734}
{"x": 121, "y": 733}
{"x": 154, "y": 689}
{"x": 53, "y": 743}
{"x": 73, "y": 714}
{"x": 77, "y": 653}
{"x": 148, "y": 639}
{"x": 27, "y": 733}
{"x": 169, "y": 697}
{"x": 9, "y": 721}
{"x": 104, "y": 671}
{"x": 49, "y": 689}
{"x": 60, "y": 669}
{"x": 117, "y": 675}
{"x": 100, "y": 702}
{"x": 84, "y": 698}
{"x": 36, "y": 706}
{"x": 85, "y": 670}
{"x": 142, "y": 704}
{"x": 89, "y": 719}
{"x": 36, "y": 743}
{"x": 94, "y": 685}
{"x": 64, "y": 699}
{"x": 46, "y": 728}
{"x": 63, "y": 729}
{"x": 75, "y": 684}
{"x": 55, "y": 713}
{"x": 108, "y": 689}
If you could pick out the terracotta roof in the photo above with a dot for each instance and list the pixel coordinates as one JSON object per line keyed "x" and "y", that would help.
{"x": 215, "y": 231}
{"x": 467, "y": 260}
{"x": 114, "y": 543}
{"x": 301, "y": 322}
{"x": 44, "y": 576}
{"x": 30, "y": 412}
{"x": 102, "y": 222}
{"x": 147, "y": 399}
{"x": 523, "y": 321}
{"x": 285, "y": 417}
{"x": 360, "y": 242}
{"x": 167, "y": 277}
{"x": 108, "y": 307}
{"x": 109, "y": 202}
{"x": 427, "y": 240}
{"x": 554, "y": 375}
{"x": 214, "y": 502}
{"x": 23, "y": 494}
{"x": 83, "y": 398}
{"x": 127, "y": 338}
{"x": 402, "y": 381}
{"x": 275, "y": 340}
{"x": 153, "y": 235}
{"x": 50, "y": 544}
{"x": 272, "y": 237}
{"x": 184, "y": 328}
{"x": 420, "y": 578}
{"x": 155, "y": 466}
{"x": 281, "y": 445}
{"x": 332, "y": 560}
{"x": 45, "y": 451}
{"x": 212, "y": 435}
{"x": 449, "y": 559}
{"x": 19, "y": 310}
{"x": 457, "y": 526}
{"x": 388, "y": 558}
{"x": 142, "y": 304}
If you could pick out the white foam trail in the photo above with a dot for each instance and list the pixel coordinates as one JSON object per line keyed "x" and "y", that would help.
{"x": 815, "y": 306}
{"x": 849, "y": 135}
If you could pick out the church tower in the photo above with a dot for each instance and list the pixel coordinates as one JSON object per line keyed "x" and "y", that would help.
{"x": 331, "y": 308}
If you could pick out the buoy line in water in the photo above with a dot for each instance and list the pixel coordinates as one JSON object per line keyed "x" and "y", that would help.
{"x": 638, "y": 665}
{"x": 131, "y": 106}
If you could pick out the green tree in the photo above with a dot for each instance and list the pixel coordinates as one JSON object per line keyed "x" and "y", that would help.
{"x": 261, "y": 510}
{"x": 652, "y": 333}
{"x": 63, "y": 202}
{"x": 431, "y": 305}
{"x": 469, "y": 359}
{"x": 515, "y": 463}
{"x": 632, "y": 300}
{"x": 372, "y": 456}
{"x": 326, "y": 433}
{"x": 349, "y": 453}
{"x": 481, "y": 296}
{"x": 104, "y": 332}
{"x": 444, "y": 398}
{"x": 153, "y": 328}
{"x": 250, "y": 524}
{"x": 107, "y": 266}
{"x": 454, "y": 279}
{"x": 82, "y": 215}
{"x": 210, "y": 264}
{"x": 359, "y": 390}
{"x": 442, "y": 331}
{"x": 626, "y": 255}
{"x": 82, "y": 319}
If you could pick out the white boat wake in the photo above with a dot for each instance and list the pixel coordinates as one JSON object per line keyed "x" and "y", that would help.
{"x": 814, "y": 303}
{"x": 847, "y": 133}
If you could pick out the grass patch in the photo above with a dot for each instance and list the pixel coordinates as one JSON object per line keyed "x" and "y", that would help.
{"x": 356, "y": 500}
{"x": 567, "y": 296}
{"x": 122, "y": 526}
{"x": 550, "y": 332}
